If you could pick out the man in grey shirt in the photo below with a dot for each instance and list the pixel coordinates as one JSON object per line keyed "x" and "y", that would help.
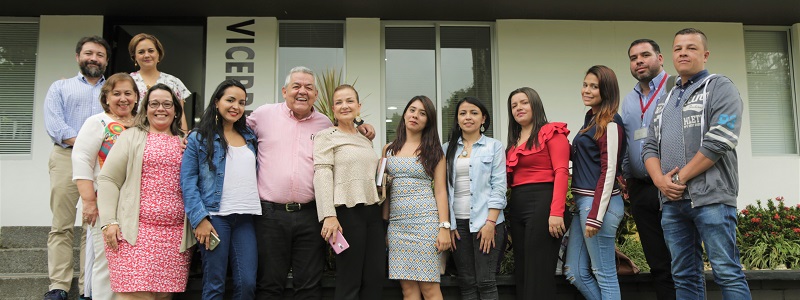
{"x": 691, "y": 157}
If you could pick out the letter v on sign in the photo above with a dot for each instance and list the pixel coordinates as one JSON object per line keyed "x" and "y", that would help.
{"x": 238, "y": 29}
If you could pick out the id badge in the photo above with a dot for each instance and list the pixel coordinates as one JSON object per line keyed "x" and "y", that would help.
{"x": 640, "y": 134}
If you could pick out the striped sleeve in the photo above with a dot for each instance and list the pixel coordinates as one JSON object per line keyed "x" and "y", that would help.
{"x": 610, "y": 145}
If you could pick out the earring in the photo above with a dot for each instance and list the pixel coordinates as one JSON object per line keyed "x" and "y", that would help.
{"x": 135, "y": 64}
{"x": 482, "y": 129}
{"x": 216, "y": 118}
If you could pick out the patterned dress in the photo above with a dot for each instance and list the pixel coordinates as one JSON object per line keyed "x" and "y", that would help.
{"x": 155, "y": 263}
{"x": 413, "y": 222}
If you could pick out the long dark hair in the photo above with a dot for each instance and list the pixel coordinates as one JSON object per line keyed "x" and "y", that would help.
{"x": 456, "y": 133}
{"x": 609, "y": 99}
{"x": 143, "y": 123}
{"x": 538, "y": 118}
{"x": 210, "y": 123}
{"x": 430, "y": 148}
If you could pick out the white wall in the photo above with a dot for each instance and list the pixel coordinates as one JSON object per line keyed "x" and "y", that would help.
{"x": 25, "y": 182}
{"x": 553, "y": 56}
{"x": 362, "y": 41}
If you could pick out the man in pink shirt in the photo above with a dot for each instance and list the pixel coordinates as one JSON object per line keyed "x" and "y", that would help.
{"x": 288, "y": 230}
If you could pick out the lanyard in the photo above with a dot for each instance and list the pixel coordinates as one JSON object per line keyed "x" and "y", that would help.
{"x": 660, "y": 85}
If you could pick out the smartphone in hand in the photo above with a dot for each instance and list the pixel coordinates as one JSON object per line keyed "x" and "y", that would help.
{"x": 340, "y": 245}
{"x": 214, "y": 241}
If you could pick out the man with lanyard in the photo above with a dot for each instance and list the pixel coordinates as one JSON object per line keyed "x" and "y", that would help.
{"x": 288, "y": 230}
{"x": 637, "y": 112}
{"x": 69, "y": 102}
{"x": 690, "y": 153}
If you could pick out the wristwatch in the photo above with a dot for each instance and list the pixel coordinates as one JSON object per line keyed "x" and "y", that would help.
{"x": 445, "y": 225}
{"x": 676, "y": 179}
{"x": 358, "y": 121}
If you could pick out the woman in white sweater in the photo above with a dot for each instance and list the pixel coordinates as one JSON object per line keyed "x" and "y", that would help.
{"x": 347, "y": 201}
{"x": 118, "y": 96}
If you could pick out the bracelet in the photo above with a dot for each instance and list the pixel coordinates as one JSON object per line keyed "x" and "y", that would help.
{"x": 493, "y": 222}
{"x": 103, "y": 228}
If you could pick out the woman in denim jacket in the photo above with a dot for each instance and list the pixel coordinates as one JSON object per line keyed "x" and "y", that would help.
{"x": 218, "y": 178}
{"x": 476, "y": 188}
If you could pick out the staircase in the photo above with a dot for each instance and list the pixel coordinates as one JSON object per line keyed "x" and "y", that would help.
{"x": 23, "y": 263}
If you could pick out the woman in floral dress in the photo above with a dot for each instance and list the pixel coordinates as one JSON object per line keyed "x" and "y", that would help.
{"x": 141, "y": 205}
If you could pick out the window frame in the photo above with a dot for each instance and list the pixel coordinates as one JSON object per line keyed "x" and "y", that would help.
{"x": 281, "y": 78}
{"x": 438, "y": 57}
{"x": 33, "y": 102}
{"x": 794, "y": 67}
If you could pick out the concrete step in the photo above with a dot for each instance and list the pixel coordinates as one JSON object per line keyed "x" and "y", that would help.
{"x": 30, "y": 286}
{"x": 31, "y": 236}
{"x": 29, "y": 260}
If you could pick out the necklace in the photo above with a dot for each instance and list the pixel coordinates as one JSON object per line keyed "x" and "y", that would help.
{"x": 465, "y": 152}
{"x": 120, "y": 119}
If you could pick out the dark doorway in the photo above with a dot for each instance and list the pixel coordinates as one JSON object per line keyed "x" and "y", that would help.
{"x": 184, "y": 55}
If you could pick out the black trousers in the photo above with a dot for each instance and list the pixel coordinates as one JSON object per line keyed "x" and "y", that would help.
{"x": 361, "y": 269}
{"x": 535, "y": 251}
{"x": 646, "y": 210}
{"x": 289, "y": 240}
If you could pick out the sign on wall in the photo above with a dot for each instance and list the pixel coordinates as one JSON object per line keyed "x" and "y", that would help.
{"x": 243, "y": 48}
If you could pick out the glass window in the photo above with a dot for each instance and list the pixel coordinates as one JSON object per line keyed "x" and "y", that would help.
{"x": 770, "y": 89}
{"x": 461, "y": 54}
{"x": 318, "y": 46}
{"x": 18, "y": 46}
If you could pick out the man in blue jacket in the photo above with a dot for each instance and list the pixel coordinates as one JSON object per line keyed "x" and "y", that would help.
{"x": 690, "y": 154}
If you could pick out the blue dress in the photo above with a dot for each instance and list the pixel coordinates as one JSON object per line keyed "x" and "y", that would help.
{"x": 413, "y": 222}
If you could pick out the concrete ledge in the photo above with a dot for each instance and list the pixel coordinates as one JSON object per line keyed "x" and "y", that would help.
{"x": 31, "y": 236}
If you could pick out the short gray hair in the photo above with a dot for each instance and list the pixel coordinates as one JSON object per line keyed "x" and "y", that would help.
{"x": 298, "y": 69}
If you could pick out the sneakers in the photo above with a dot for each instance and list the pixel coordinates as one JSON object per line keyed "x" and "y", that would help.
{"x": 82, "y": 297}
{"x": 56, "y": 294}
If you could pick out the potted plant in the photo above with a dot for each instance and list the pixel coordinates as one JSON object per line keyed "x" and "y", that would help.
{"x": 769, "y": 237}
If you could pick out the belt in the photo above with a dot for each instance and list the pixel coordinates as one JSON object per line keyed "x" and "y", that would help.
{"x": 68, "y": 147}
{"x": 292, "y": 207}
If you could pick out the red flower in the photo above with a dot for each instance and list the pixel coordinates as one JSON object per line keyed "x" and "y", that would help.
{"x": 779, "y": 198}
{"x": 777, "y": 217}
{"x": 792, "y": 217}
{"x": 755, "y": 220}
{"x": 745, "y": 212}
{"x": 796, "y": 230}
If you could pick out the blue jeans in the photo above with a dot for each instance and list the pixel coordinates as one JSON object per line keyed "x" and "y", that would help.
{"x": 238, "y": 245}
{"x": 714, "y": 225}
{"x": 591, "y": 262}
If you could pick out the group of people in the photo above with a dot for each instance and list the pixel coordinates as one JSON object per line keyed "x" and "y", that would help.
{"x": 261, "y": 196}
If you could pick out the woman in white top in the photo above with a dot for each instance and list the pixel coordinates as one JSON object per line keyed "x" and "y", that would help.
{"x": 220, "y": 196}
{"x": 118, "y": 96}
{"x": 147, "y": 52}
{"x": 347, "y": 201}
{"x": 476, "y": 185}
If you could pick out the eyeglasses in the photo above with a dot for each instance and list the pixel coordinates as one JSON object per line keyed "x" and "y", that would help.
{"x": 156, "y": 104}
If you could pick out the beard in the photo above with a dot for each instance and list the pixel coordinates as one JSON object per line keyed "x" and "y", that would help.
{"x": 648, "y": 76}
{"x": 90, "y": 69}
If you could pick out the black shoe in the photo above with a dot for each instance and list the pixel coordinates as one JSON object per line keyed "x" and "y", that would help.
{"x": 56, "y": 294}
{"x": 82, "y": 297}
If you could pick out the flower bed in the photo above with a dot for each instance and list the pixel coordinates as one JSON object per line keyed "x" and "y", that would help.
{"x": 769, "y": 236}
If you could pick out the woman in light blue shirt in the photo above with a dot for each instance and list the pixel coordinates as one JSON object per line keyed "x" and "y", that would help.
{"x": 476, "y": 182}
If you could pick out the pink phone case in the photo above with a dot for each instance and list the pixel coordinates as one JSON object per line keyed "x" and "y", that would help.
{"x": 340, "y": 245}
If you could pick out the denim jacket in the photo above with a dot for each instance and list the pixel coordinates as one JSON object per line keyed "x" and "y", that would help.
{"x": 202, "y": 189}
{"x": 487, "y": 174}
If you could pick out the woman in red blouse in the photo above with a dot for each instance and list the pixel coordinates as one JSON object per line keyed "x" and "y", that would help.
{"x": 538, "y": 168}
